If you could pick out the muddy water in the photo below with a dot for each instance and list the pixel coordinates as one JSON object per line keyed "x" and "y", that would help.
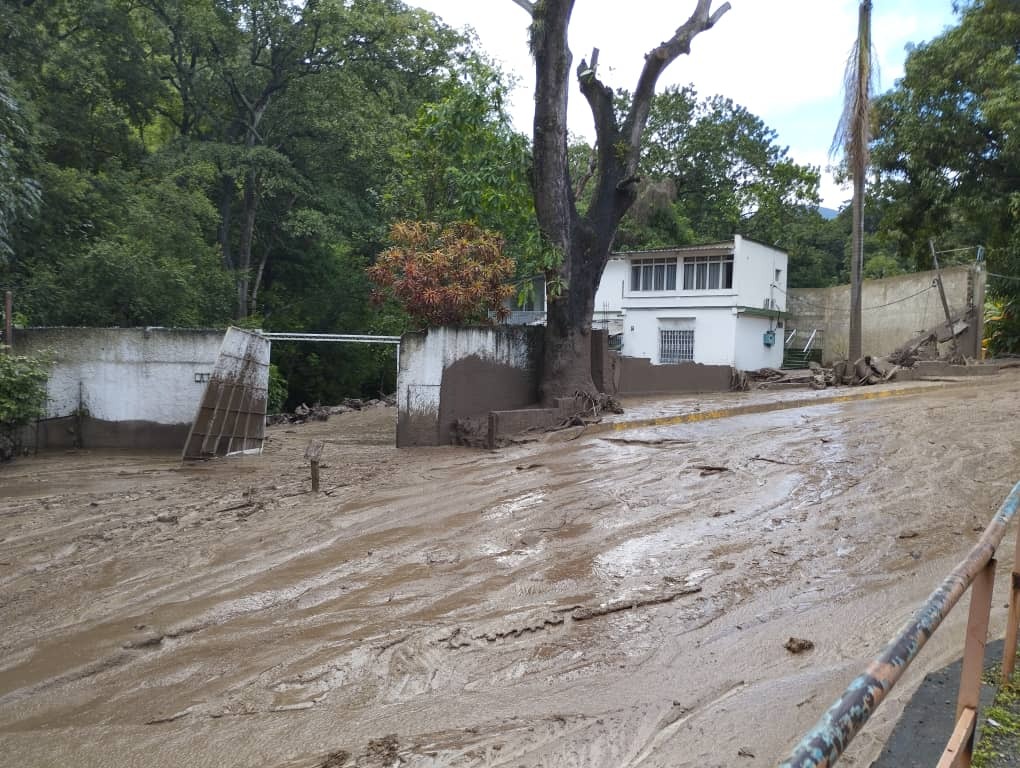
{"x": 619, "y": 600}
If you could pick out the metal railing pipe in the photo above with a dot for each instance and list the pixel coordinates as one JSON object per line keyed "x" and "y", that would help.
{"x": 810, "y": 341}
{"x": 823, "y": 745}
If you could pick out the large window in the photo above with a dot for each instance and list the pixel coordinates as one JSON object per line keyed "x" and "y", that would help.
{"x": 653, "y": 275}
{"x": 675, "y": 346}
{"x": 708, "y": 273}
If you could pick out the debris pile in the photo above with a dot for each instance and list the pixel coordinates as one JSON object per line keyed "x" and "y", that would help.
{"x": 304, "y": 412}
{"x": 867, "y": 370}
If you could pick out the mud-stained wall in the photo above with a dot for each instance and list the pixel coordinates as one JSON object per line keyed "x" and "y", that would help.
{"x": 895, "y": 309}
{"x": 448, "y": 374}
{"x": 120, "y": 387}
{"x": 639, "y": 377}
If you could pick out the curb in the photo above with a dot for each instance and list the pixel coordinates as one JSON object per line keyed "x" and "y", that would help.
{"x": 744, "y": 410}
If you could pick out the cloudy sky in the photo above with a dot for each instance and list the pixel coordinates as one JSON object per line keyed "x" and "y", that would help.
{"x": 782, "y": 59}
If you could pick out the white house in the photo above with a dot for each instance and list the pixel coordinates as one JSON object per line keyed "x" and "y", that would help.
{"x": 718, "y": 304}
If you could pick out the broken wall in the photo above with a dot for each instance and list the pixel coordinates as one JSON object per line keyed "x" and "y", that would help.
{"x": 120, "y": 387}
{"x": 895, "y": 309}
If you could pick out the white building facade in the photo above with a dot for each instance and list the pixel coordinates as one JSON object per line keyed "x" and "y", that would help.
{"x": 717, "y": 304}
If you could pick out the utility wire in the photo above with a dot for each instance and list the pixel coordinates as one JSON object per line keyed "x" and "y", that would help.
{"x": 1003, "y": 277}
{"x": 805, "y": 302}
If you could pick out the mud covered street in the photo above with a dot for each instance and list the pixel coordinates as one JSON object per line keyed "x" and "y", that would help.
{"x": 611, "y": 600}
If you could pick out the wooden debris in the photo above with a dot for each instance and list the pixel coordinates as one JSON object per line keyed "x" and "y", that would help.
{"x": 313, "y": 452}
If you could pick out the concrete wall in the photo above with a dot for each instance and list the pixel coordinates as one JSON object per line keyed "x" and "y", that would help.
{"x": 639, "y": 377}
{"x": 751, "y": 354}
{"x": 487, "y": 380}
{"x": 895, "y": 309}
{"x": 714, "y": 332}
{"x": 448, "y": 374}
{"x": 754, "y": 271}
{"x": 121, "y": 387}
{"x": 609, "y": 296}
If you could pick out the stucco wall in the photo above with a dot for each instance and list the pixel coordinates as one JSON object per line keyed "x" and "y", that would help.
{"x": 754, "y": 271}
{"x": 751, "y": 353}
{"x": 452, "y": 373}
{"x": 141, "y": 379}
{"x": 714, "y": 331}
{"x": 609, "y": 296}
{"x": 895, "y": 309}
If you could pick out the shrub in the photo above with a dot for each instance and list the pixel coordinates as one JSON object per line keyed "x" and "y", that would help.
{"x": 444, "y": 275}
{"x": 22, "y": 398}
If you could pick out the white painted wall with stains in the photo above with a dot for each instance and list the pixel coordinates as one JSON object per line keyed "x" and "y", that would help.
{"x": 155, "y": 375}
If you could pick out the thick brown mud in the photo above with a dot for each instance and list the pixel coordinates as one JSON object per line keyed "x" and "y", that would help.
{"x": 612, "y": 600}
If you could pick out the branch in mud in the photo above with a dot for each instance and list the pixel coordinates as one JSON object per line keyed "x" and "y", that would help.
{"x": 583, "y": 614}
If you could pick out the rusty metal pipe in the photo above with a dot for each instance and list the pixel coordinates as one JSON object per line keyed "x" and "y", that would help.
{"x": 823, "y": 745}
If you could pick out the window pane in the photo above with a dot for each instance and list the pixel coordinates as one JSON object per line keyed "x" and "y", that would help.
{"x": 646, "y": 277}
{"x": 660, "y": 277}
{"x": 671, "y": 276}
{"x": 713, "y": 274}
{"x": 702, "y": 276}
{"x": 728, "y": 274}
{"x": 635, "y": 277}
{"x": 688, "y": 275}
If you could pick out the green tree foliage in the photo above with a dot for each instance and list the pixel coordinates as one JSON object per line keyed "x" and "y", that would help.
{"x": 22, "y": 397}
{"x": 711, "y": 169}
{"x": 189, "y": 162}
{"x": 948, "y": 141}
{"x": 19, "y": 191}
{"x": 727, "y": 172}
{"x": 463, "y": 161}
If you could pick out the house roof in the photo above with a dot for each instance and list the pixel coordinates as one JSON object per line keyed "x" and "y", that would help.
{"x": 708, "y": 249}
{"x": 723, "y": 247}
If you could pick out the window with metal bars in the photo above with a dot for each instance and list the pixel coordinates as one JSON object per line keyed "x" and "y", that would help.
{"x": 675, "y": 346}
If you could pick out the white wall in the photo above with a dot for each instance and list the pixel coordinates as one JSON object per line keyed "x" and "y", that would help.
{"x": 754, "y": 270}
{"x": 609, "y": 297}
{"x": 751, "y": 352}
{"x": 714, "y": 331}
{"x": 125, "y": 374}
{"x": 451, "y": 373}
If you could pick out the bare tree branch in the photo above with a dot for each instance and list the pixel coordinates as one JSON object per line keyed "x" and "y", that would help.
{"x": 656, "y": 62}
{"x": 526, "y": 5}
{"x": 600, "y": 98}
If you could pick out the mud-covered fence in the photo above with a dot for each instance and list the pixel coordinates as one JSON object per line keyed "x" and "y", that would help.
{"x": 830, "y": 737}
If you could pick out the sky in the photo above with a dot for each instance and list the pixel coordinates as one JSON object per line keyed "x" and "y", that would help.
{"x": 782, "y": 59}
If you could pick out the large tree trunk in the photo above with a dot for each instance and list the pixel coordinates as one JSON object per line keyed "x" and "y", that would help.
{"x": 585, "y": 241}
{"x": 223, "y": 235}
{"x": 250, "y": 201}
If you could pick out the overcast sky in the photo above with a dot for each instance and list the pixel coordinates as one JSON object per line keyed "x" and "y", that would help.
{"x": 782, "y": 59}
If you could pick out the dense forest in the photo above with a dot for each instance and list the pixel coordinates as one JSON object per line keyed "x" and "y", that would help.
{"x": 205, "y": 162}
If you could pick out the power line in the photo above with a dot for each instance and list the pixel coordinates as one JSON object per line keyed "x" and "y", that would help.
{"x": 805, "y": 302}
{"x": 1003, "y": 277}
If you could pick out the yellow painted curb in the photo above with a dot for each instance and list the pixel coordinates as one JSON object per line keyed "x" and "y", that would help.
{"x": 781, "y": 405}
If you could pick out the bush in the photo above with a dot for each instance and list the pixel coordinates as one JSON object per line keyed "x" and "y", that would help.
{"x": 277, "y": 390}
{"x": 444, "y": 275}
{"x": 22, "y": 398}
